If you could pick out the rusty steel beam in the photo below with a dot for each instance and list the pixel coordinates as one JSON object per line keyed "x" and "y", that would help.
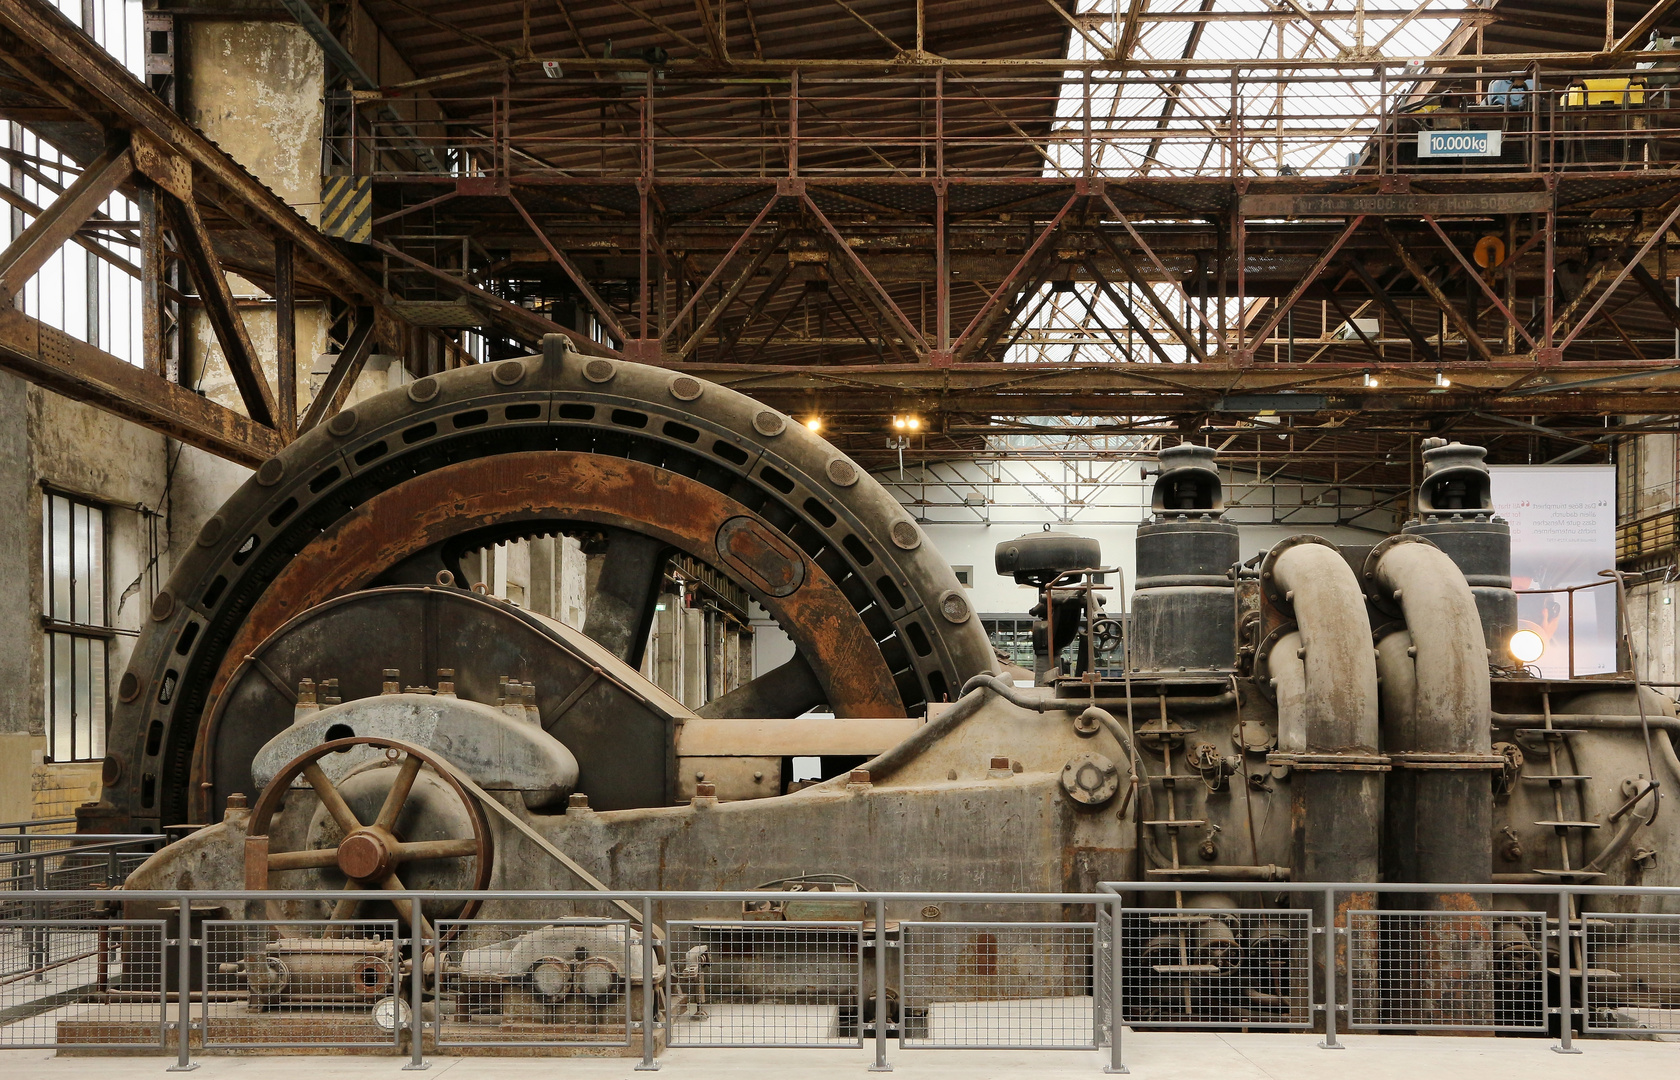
{"x": 51, "y": 358}
{"x": 1399, "y": 205}
{"x": 229, "y": 325}
{"x": 285, "y": 340}
{"x": 59, "y": 222}
{"x": 342, "y": 378}
{"x": 1454, "y": 316}
{"x": 602, "y": 310}
{"x": 1380, "y": 295}
{"x": 35, "y": 38}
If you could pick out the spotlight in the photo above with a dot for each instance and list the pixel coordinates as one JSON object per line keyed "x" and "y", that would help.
{"x": 1442, "y": 381}
{"x": 1370, "y": 381}
{"x": 913, "y": 422}
{"x": 1527, "y": 646}
{"x": 814, "y": 423}
{"x": 898, "y": 423}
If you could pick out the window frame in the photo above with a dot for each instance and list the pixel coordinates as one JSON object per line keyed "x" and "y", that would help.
{"x": 83, "y": 638}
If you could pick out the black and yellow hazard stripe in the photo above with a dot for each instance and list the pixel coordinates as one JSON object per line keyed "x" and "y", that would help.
{"x": 347, "y": 208}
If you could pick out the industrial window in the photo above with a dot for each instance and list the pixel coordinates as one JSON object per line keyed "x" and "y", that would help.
{"x": 76, "y": 625}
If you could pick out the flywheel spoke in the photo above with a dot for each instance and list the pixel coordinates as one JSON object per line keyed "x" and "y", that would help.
{"x": 621, "y": 605}
{"x": 784, "y": 691}
{"x": 330, "y": 798}
{"x": 435, "y": 849}
{"x": 398, "y": 795}
{"x": 347, "y": 905}
{"x": 394, "y": 884}
{"x": 313, "y": 859}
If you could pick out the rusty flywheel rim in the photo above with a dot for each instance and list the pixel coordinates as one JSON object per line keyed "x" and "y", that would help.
{"x": 809, "y": 499}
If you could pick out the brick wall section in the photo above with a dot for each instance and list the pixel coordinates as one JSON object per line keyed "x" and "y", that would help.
{"x": 57, "y": 789}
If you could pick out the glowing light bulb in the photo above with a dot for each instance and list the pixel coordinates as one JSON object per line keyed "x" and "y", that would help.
{"x": 1441, "y": 380}
{"x": 1527, "y": 646}
{"x": 914, "y": 423}
{"x": 814, "y": 423}
{"x": 898, "y": 422}
{"x": 1370, "y": 381}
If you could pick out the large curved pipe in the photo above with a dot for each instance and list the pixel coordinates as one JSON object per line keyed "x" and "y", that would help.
{"x": 1450, "y": 811}
{"x": 1326, "y": 680}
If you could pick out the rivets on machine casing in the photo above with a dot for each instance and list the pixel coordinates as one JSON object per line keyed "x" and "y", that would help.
{"x": 271, "y": 472}
{"x": 212, "y": 532}
{"x": 842, "y": 473}
{"x": 954, "y": 606}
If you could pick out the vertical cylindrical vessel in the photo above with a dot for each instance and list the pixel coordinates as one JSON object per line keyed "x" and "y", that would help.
{"x": 1456, "y": 514}
{"x": 1184, "y": 605}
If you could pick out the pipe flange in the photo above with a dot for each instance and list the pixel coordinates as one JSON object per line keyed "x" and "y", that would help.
{"x": 1374, "y": 592}
{"x": 1263, "y": 658}
{"x": 1268, "y": 567}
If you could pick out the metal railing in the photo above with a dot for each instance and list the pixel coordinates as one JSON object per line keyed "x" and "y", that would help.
{"x": 68, "y": 861}
{"x": 243, "y": 970}
{"x": 1249, "y": 121}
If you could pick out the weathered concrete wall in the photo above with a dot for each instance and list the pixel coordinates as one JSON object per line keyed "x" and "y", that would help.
{"x": 18, "y": 683}
{"x": 256, "y": 89}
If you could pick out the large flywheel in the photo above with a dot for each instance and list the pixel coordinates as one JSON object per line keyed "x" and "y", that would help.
{"x": 648, "y": 462}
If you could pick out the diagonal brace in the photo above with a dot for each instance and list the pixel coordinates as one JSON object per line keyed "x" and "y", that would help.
{"x": 596, "y": 304}
{"x": 58, "y": 223}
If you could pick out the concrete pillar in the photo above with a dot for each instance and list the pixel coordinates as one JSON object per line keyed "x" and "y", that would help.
{"x": 572, "y": 586}
{"x": 541, "y": 595}
{"x": 668, "y": 647}
{"x": 694, "y": 657}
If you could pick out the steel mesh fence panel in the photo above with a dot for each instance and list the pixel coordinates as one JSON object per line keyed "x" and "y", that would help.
{"x": 82, "y": 984}
{"x": 1458, "y": 970}
{"x": 1216, "y": 967}
{"x": 997, "y": 985}
{"x": 293, "y": 983}
{"x": 1102, "y": 976}
{"x": 751, "y": 983}
{"x": 1632, "y": 965}
{"x": 565, "y": 982}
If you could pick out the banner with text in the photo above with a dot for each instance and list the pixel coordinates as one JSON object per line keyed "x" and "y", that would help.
{"x": 1563, "y": 532}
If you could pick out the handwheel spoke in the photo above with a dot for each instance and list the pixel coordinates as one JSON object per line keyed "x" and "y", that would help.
{"x": 435, "y": 849}
{"x": 398, "y": 795}
{"x": 330, "y": 798}
{"x": 347, "y": 905}
{"x": 394, "y": 884}
{"x": 312, "y": 859}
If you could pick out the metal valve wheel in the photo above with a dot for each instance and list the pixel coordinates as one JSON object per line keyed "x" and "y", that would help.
{"x": 370, "y": 829}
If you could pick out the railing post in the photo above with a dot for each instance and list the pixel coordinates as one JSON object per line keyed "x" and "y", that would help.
{"x": 417, "y": 987}
{"x": 1330, "y": 1042}
{"x": 1115, "y": 1064}
{"x": 183, "y": 988}
{"x": 1566, "y": 1045}
{"x": 880, "y": 1064}
{"x": 647, "y": 1063}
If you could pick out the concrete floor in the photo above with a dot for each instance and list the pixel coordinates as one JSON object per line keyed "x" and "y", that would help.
{"x": 1167, "y": 1056}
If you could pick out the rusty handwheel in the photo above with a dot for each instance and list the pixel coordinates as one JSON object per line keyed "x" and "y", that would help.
{"x": 371, "y": 829}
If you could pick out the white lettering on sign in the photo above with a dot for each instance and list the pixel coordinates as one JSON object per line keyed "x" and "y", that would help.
{"x": 1460, "y": 143}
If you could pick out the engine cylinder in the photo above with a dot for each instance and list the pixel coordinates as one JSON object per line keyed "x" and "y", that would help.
{"x": 1455, "y": 505}
{"x": 1184, "y": 606}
